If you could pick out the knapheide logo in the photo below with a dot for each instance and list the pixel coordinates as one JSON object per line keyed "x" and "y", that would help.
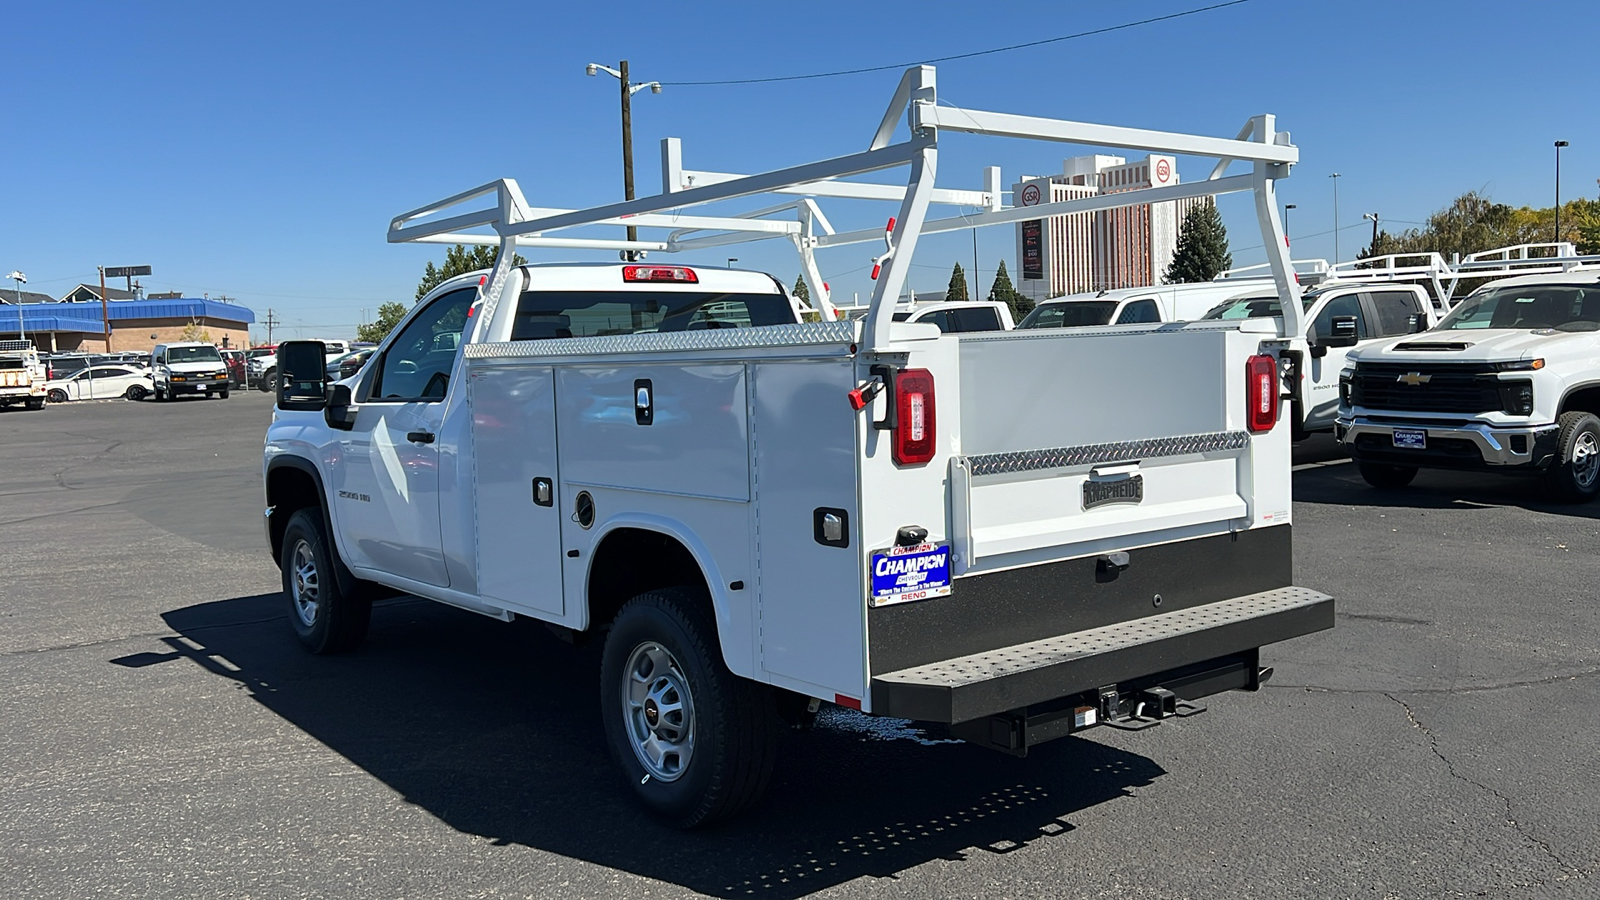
{"x": 1163, "y": 170}
{"x": 1030, "y": 195}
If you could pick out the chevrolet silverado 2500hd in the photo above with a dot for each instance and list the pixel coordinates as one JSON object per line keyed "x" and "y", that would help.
{"x": 1017, "y": 534}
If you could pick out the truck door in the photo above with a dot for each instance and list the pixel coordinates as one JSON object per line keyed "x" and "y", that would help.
{"x": 387, "y": 474}
{"x": 1322, "y": 382}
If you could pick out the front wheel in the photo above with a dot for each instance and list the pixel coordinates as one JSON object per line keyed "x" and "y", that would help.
{"x": 266, "y": 380}
{"x": 325, "y": 618}
{"x": 695, "y": 742}
{"x": 1380, "y": 475}
{"x": 56, "y": 395}
{"x": 1576, "y": 475}
{"x": 223, "y": 395}
{"x": 135, "y": 392}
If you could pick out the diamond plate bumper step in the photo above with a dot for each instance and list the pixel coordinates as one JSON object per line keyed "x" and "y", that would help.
{"x": 970, "y": 687}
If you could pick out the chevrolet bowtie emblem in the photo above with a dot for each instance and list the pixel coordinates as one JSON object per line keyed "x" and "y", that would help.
{"x": 1415, "y": 378}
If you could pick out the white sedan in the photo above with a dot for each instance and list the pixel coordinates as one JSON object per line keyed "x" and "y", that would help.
{"x": 101, "y": 382}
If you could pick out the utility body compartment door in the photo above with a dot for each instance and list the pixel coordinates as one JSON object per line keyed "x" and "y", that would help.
{"x": 514, "y": 475}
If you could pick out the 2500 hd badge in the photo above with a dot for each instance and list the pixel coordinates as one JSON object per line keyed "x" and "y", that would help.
{"x": 917, "y": 572}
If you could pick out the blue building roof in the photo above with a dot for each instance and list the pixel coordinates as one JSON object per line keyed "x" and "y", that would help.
{"x": 87, "y": 317}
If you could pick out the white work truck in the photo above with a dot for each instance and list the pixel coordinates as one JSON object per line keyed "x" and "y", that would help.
{"x": 1019, "y": 535}
{"x": 1509, "y": 382}
{"x": 22, "y": 375}
{"x": 1132, "y": 306}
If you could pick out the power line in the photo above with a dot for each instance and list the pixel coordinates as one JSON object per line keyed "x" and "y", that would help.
{"x": 940, "y": 59}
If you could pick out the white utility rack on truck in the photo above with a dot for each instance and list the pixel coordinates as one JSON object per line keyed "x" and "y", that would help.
{"x": 1016, "y": 534}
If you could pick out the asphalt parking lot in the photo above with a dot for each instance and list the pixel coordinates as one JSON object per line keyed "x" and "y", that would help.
{"x": 164, "y": 735}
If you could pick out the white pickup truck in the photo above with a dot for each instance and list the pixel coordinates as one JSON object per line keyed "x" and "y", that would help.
{"x": 1508, "y": 382}
{"x": 22, "y": 375}
{"x": 1017, "y": 534}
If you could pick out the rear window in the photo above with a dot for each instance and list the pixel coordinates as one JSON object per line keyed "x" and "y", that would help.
{"x": 1070, "y": 315}
{"x": 564, "y": 314}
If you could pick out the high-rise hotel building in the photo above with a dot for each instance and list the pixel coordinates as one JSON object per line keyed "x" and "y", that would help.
{"x": 1115, "y": 248}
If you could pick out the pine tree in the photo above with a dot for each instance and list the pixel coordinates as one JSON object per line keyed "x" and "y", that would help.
{"x": 1202, "y": 252}
{"x": 800, "y": 291}
{"x": 958, "y": 285}
{"x": 1002, "y": 291}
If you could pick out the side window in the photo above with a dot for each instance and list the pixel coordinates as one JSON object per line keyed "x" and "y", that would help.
{"x": 976, "y": 318}
{"x": 1395, "y": 311}
{"x": 1139, "y": 311}
{"x": 1348, "y": 305}
{"x": 417, "y": 365}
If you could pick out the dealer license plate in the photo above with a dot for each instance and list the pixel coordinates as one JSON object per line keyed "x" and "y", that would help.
{"x": 1129, "y": 489}
{"x": 1410, "y": 439}
{"x": 904, "y": 574}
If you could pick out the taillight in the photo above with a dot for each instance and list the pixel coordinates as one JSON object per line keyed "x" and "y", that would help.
{"x": 679, "y": 274}
{"x": 916, "y": 420}
{"x": 1261, "y": 392}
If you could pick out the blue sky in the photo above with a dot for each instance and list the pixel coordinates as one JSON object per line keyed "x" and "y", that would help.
{"x": 259, "y": 150}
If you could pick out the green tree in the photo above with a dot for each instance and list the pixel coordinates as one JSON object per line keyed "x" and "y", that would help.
{"x": 800, "y": 291}
{"x": 1202, "y": 252}
{"x": 459, "y": 260}
{"x": 389, "y": 315}
{"x": 1003, "y": 291}
{"x": 958, "y": 285}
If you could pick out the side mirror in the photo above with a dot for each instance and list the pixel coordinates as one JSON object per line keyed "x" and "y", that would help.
{"x": 1419, "y": 323}
{"x": 302, "y": 375}
{"x": 1343, "y": 333}
{"x": 338, "y": 413}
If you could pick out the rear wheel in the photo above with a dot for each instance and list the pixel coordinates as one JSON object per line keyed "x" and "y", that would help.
{"x": 695, "y": 742}
{"x": 36, "y": 403}
{"x": 1381, "y": 475}
{"x": 325, "y": 619}
{"x": 1576, "y": 475}
{"x": 134, "y": 392}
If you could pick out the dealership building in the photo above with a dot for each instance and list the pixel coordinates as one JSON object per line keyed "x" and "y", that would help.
{"x": 67, "y": 326}
{"x": 1090, "y": 251}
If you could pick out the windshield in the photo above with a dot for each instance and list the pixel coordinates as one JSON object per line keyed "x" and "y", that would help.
{"x": 193, "y": 354}
{"x": 1255, "y": 307}
{"x": 1564, "y": 307}
{"x": 564, "y": 314}
{"x": 1070, "y": 315}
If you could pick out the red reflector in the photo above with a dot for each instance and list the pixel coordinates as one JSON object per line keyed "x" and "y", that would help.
{"x": 679, "y": 274}
{"x": 916, "y": 429}
{"x": 851, "y": 702}
{"x": 1261, "y": 392}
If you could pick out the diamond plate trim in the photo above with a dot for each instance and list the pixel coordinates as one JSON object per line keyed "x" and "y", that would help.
{"x": 801, "y": 335}
{"x": 1100, "y": 454}
{"x": 980, "y": 667}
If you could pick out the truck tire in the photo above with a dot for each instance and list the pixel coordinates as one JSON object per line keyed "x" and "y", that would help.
{"x": 36, "y": 403}
{"x": 1387, "y": 477}
{"x": 695, "y": 742}
{"x": 1575, "y": 478}
{"x": 266, "y": 380}
{"x": 325, "y": 619}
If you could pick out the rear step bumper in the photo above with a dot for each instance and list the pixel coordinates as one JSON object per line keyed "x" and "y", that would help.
{"x": 1011, "y": 678}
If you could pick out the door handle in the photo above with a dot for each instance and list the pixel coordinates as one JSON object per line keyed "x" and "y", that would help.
{"x": 420, "y": 437}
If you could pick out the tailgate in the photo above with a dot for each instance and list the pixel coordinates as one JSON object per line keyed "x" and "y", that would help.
{"x": 1079, "y": 442}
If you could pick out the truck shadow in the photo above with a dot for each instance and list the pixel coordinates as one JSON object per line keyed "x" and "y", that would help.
{"x": 494, "y": 729}
{"x": 1434, "y": 489}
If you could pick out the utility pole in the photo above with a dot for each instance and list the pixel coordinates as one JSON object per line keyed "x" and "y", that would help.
{"x": 1374, "y": 218}
{"x": 105, "y": 308}
{"x": 1559, "y": 145}
{"x": 628, "y": 90}
{"x": 271, "y": 320}
{"x": 1335, "y": 176}
{"x": 1286, "y": 208}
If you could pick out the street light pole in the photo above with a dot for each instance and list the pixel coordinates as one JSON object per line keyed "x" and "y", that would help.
{"x": 1286, "y": 208}
{"x": 1335, "y": 176}
{"x": 628, "y": 90}
{"x": 1559, "y": 145}
{"x": 20, "y": 279}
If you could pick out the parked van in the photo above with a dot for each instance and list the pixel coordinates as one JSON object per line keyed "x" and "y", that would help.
{"x": 188, "y": 368}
